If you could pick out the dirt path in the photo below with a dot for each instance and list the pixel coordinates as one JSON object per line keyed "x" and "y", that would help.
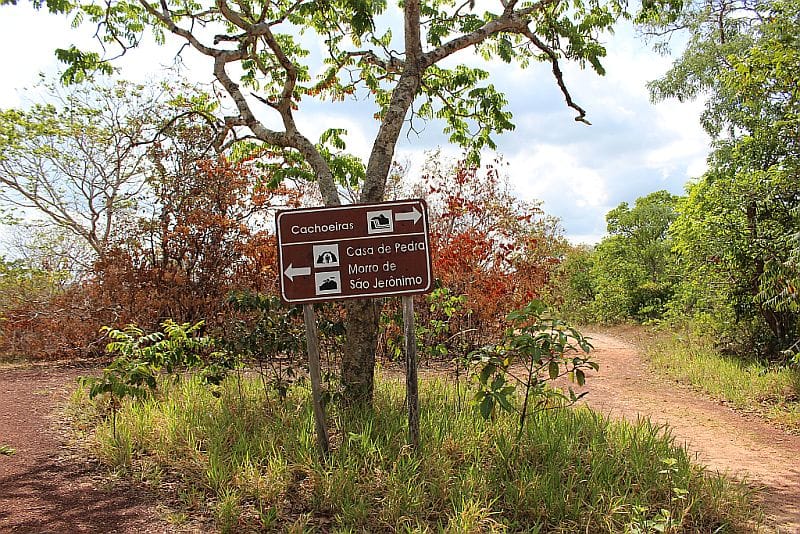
{"x": 723, "y": 440}
{"x": 43, "y": 487}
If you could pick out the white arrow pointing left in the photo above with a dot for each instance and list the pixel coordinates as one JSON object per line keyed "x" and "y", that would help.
{"x": 291, "y": 272}
{"x": 414, "y": 215}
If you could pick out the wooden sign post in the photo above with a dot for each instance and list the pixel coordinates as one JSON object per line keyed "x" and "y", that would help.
{"x": 356, "y": 251}
{"x": 412, "y": 387}
{"x": 312, "y": 344}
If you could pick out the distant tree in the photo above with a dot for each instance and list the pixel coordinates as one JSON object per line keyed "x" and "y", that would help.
{"x": 645, "y": 228}
{"x": 572, "y": 288}
{"x": 202, "y": 230}
{"x": 78, "y": 163}
{"x": 632, "y": 269}
{"x": 493, "y": 248}
{"x": 21, "y": 284}
{"x": 735, "y": 238}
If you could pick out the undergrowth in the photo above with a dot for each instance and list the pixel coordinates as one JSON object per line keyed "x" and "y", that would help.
{"x": 752, "y": 386}
{"x": 250, "y": 462}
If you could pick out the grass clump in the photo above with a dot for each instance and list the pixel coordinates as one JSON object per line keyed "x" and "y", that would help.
{"x": 250, "y": 462}
{"x": 746, "y": 385}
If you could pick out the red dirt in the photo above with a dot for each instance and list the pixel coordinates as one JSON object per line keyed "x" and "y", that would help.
{"x": 46, "y": 488}
{"x": 739, "y": 445}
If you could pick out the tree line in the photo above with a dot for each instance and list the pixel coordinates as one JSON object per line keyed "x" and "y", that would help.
{"x": 177, "y": 208}
{"x": 139, "y": 221}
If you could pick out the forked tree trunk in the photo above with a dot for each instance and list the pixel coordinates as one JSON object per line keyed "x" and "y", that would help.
{"x": 358, "y": 358}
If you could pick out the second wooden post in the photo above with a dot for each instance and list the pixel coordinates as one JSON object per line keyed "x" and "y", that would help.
{"x": 412, "y": 389}
{"x": 312, "y": 343}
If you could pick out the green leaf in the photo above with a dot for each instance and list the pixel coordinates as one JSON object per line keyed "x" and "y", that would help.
{"x": 81, "y": 65}
{"x": 553, "y": 369}
{"x": 505, "y": 401}
{"x": 580, "y": 377}
{"x": 487, "y": 371}
{"x": 486, "y": 407}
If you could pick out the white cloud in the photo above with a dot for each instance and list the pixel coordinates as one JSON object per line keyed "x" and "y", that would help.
{"x": 556, "y": 175}
{"x": 687, "y": 149}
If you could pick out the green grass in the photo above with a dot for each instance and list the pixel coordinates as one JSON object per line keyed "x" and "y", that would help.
{"x": 251, "y": 464}
{"x": 5, "y": 450}
{"x": 745, "y": 385}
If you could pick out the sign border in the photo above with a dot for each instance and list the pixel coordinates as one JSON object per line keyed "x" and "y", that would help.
{"x": 331, "y": 298}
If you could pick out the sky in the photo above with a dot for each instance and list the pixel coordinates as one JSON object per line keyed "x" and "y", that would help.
{"x": 579, "y": 172}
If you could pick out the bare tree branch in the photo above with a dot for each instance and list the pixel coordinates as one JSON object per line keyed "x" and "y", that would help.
{"x": 559, "y": 76}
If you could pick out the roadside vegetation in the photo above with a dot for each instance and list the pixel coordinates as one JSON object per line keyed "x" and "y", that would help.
{"x": 500, "y": 447}
{"x": 754, "y": 386}
{"x": 249, "y": 462}
{"x": 717, "y": 269}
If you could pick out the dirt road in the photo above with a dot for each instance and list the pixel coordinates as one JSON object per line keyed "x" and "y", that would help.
{"x": 723, "y": 440}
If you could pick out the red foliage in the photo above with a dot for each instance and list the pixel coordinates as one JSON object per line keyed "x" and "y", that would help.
{"x": 487, "y": 244}
{"x": 63, "y": 326}
{"x": 209, "y": 235}
{"x": 208, "y": 239}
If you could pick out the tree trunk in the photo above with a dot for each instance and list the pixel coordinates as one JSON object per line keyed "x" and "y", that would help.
{"x": 358, "y": 358}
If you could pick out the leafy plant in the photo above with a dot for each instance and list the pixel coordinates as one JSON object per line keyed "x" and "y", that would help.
{"x": 537, "y": 349}
{"x": 269, "y": 335}
{"x": 5, "y": 450}
{"x": 141, "y": 356}
{"x": 437, "y": 326}
{"x": 664, "y": 519}
{"x": 439, "y": 336}
{"x": 272, "y": 336}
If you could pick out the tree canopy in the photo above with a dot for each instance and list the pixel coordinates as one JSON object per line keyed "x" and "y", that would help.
{"x": 736, "y": 232}
{"x": 632, "y": 270}
{"x": 77, "y": 164}
{"x": 271, "y": 57}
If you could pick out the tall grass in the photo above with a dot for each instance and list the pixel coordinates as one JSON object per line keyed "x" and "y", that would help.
{"x": 745, "y": 385}
{"x": 251, "y": 463}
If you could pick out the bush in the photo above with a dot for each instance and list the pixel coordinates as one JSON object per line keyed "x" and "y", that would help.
{"x": 179, "y": 265}
{"x": 491, "y": 252}
{"x": 59, "y": 321}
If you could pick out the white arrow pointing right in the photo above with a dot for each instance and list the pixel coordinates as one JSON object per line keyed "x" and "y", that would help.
{"x": 291, "y": 272}
{"x": 414, "y": 215}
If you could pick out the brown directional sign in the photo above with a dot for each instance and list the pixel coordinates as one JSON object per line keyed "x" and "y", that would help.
{"x": 354, "y": 251}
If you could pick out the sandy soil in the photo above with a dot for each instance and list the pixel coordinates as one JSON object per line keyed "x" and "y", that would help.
{"x": 723, "y": 440}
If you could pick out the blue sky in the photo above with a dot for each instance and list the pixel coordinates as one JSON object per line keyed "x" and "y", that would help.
{"x": 580, "y": 172}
